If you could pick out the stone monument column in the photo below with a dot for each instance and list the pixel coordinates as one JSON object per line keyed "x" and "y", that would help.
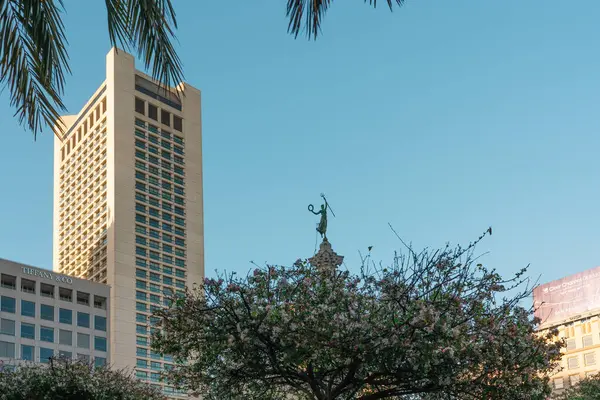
{"x": 326, "y": 259}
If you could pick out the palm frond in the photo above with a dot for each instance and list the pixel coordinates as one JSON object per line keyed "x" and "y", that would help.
{"x": 33, "y": 60}
{"x": 306, "y": 15}
{"x": 147, "y": 26}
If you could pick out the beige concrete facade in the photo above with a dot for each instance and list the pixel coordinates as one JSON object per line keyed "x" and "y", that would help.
{"x": 581, "y": 357}
{"x": 128, "y": 203}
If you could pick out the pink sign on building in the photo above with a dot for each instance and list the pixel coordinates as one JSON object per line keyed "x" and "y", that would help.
{"x": 567, "y": 297}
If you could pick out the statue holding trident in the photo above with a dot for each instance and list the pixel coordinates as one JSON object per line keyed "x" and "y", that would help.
{"x": 322, "y": 226}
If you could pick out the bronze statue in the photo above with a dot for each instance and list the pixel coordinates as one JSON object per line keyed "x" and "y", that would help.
{"x": 322, "y": 226}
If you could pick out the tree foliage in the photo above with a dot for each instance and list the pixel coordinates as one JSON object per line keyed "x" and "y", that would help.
{"x": 71, "y": 380}
{"x": 307, "y": 15}
{"x": 433, "y": 325}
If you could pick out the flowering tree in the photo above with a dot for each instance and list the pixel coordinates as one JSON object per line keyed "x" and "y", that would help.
{"x": 69, "y": 380}
{"x": 432, "y": 325}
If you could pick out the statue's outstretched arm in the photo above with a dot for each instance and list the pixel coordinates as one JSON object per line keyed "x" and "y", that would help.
{"x": 311, "y": 208}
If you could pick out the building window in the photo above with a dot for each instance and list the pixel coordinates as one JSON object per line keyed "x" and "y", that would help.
{"x": 83, "y": 340}
{"x": 46, "y": 355}
{"x": 100, "y": 343}
{"x": 573, "y": 362}
{"x": 83, "y": 319}
{"x": 141, "y": 341}
{"x": 155, "y": 365}
{"x": 65, "y": 294}
{"x": 65, "y": 316}
{"x": 140, "y": 106}
{"x": 141, "y": 352}
{"x": 46, "y": 312}
{"x": 83, "y": 358}
{"x": 65, "y": 354}
{"x": 141, "y": 375}
{"x": 177, "y": 124}
{"x": 7, "y": 327}
{"x": 558, "y": 383}
{"x": 7, "y": 350}
{"x": 590, "y": 358}
{"x": 571, "y": 345}
{"x": 165, "y": 117}
{"x": 8, "y": 304}
{"x": 141, "y": 363}
{"x": 27, "y": 331}
{"x": 152, "y": 112}
{"x": 155, "y": 299}
{"x": 99, "y": 323}
{"x": 28, "y": 308}
{"x": 83, "y": 298}
{"x": 27, "y": 286}
{"x": 47, "y": 290}
{"x": 140, "y": 273}
{"x": 587, "y": 341}
{"x": 27, "y": 352}
{"x": 100, "y": 302}
{"x": 574, "y": 380}
{"x": 8, "y": 281}
{"x": 141, "y": 306}
{"x": 46, "y": 334}
{"x": 65, "y": 337}
{"x": 141, "y": 330}
{"x": 99, "y": 362}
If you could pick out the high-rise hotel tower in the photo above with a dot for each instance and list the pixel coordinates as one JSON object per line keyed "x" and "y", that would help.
{"x": 128, "y": 207}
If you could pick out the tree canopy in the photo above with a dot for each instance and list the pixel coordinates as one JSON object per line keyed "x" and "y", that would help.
{"x": 432, "y": 325}
{"x": 72, "y": 380}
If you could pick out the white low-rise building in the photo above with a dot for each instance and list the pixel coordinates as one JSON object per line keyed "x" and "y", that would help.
{"x": 45, "y": 314}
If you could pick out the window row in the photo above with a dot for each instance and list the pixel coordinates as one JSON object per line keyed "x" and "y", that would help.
{"x": 586, "y": 341}
{"x": 152, "y": 111}
{"x": 85, "y": 123}
{"x": 143, "y": 274}
{"x": 157, "y": 245}
{"x": 166, "y": 216}
{"x": 165, "y": 237}
{"x": 48, "y": 313}
{"x": 47, "y": 334}
{"x": 28, "y": 353}
{"x": 47, "y": 290}
{"x": 165, "y": 165}
{"x": 141, "y": 167}
{"x": 165, "y": 226}
{"x": 154, "y": 255}
{"x": 588, "y": 359}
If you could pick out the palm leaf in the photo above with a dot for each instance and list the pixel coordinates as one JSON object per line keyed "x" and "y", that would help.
{"x": 306, "y": 15}
{"x": 33, "y": 59}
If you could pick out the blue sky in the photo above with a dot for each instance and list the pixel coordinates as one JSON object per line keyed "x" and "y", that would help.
{"x": 441, "y": 118}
